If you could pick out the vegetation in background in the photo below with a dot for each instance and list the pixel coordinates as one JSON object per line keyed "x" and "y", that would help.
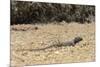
{"x": 23, "y": 12}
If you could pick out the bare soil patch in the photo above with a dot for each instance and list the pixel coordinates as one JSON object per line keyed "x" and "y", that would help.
{"x": 42, "y": 35}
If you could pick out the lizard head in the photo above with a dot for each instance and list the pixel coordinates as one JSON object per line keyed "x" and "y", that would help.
{"x": 77, "y": 39}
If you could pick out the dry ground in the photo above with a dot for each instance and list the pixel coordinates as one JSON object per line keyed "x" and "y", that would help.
{"x": 29, "y": 37}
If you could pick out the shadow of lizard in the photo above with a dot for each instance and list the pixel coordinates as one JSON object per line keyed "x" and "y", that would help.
{"x": 72, "y": 42}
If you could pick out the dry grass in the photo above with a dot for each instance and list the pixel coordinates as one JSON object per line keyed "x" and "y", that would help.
{"x": 27, "y": 37}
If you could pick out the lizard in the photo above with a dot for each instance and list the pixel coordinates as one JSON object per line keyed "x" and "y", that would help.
{"x": 72, "y": 42}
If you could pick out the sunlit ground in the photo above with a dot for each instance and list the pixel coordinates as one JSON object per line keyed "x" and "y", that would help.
{"x": 30, "y": 37}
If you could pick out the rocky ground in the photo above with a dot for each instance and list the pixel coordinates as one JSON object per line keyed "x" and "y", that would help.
{"x": 38, "y": 36}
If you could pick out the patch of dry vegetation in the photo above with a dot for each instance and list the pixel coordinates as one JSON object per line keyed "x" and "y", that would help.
{"x": 47, "y": 34}
{"x": 42, "y": 12}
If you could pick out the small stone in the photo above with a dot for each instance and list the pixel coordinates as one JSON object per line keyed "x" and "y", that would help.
{"x": 36, "y": 28}
{"x": 56, "y": 52}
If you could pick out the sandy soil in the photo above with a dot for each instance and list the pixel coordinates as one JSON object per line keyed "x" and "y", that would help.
{"x": 42, "y": 35}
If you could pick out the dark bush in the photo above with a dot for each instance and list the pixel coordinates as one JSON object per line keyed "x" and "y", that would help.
{"x": 23, "y": 12}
